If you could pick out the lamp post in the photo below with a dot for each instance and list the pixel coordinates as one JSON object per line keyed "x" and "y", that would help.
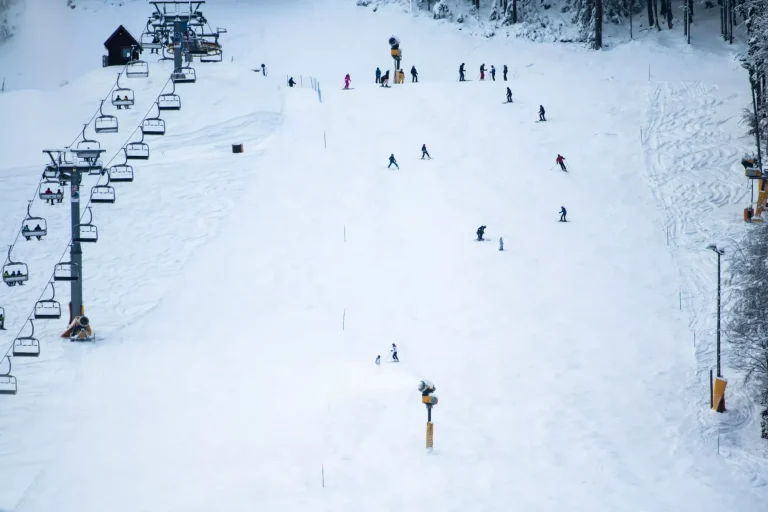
{"x": 718, "y": 391}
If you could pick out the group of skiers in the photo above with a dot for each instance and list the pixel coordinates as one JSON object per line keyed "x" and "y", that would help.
{"x": 399, "y": 76}
{"x": 505, "y": 70}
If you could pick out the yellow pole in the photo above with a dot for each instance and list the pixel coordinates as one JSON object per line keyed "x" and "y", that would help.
{"x": 430, "y": 434}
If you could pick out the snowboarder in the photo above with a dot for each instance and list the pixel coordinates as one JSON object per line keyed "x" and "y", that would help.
{"x": 394, "y": 354}
{"x": 378, "y": 359}
{"x": 560, "y": 160}
{"x": 541, "y": 113}
{"x": 385, "y": 79}
{"x": 414, "y": 74}
{"x": 482, "y": 71}
{"x": 378, "y": 75}
{"x": 563, "y": 214}
{"x": 509, "y": 95}
{"x": 493, "y": 73}
{"x": 505, "y": 72}
{"x": 392, "y": 161}
{"x": 501, "y": 244}
{"x": 424, "y": 152}
{"x": 461, "y": 73}
{"x": 480, "y": 233}
{"x": 264, "y": 70}
{"x": 346, "y": 81}
{"x": 291, "y": 82}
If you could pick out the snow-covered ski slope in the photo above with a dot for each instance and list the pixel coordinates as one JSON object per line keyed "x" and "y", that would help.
{"x": 240, "y": 300}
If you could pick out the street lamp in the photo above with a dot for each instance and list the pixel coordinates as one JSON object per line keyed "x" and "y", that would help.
{"x": 718, "y": 403}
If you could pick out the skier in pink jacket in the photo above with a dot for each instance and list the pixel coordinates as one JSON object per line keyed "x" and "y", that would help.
{"x": 346, "y": 81}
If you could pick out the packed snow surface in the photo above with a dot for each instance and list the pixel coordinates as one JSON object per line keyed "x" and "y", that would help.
{"x": 240, "y": 299}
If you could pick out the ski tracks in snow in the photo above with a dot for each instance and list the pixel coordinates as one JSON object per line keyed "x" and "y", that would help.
{"x": 692, "y": 164}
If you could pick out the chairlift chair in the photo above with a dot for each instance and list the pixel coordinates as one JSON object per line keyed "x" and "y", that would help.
{"x": 105, "y": 123}
{"x": 33, "y": 226}
{"x": 212, "y": 56}
{"x": 51, "y": 172}
{"x": 147, "y": 39}
{"x": 8, "y": 383}
{"x": 122, "y": 96}
{"x": 121, "y": 172}
{"x": 185, "y": 75}
{"x": 137, "y": 150}
{"x": 137, "y": 69}
{"x": 14, "y": 272}
{"x": 47, "y": 185}
{"x": 169, "y": 100}
{"x": 153, "y": 125}
{"x": 65, "y": 271}
{"x": 27, "y": 346}
{"x": 86, "y": 231}
{"x": 88, "y": 148}
{"x": 48, "y": 309}
{"x": 103, "y": 194}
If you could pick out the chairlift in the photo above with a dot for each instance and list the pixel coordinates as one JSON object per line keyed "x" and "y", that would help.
{"x": 65, "y": 271}
{"x": 121, "y": 172}
{"x": 48, "y": 309}
{"x": 27, "y": 346}
{"x": 8, "y": 384}
{"x": 185, "y": 75}
{"x": 105, "y": 123}
{"x": 51, "y": 172}
{"x": 33, "y": 226}
{"x": 46, "y": 192}
{"x": 83, "y": 147}
{"x": 153, "y": 125}
{"x": 122, "y": 96}
{"x": 103, "y": 194}
{"x": 147, "y": 39}
{"x": 169, "y": 100}
{"x": 215, "y": 55}
{"x": 136, "y": 68}
{"x": 165, "y": 55}
{"x": 137, "y": 150}
{"x": 86, "y": 231}
{"x": 14, "y": 272}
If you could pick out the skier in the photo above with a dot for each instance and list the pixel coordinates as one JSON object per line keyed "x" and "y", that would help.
{"x": 291, "y": 82}
{"x": 561, "y": 161}
{"x": 2, "y": 322}
{"x": 501, "y": 244}
{"x": 385, "y": 79}
{"x": 346, "y": 81}
{"x": 563, "y": 214}
{"x": 480, "y": 233}
{"x": 378, "y": 75}
{"x": 394, "y": 354}
{"x": 392, "y": 161}
{"x": 505, "y": 72}
{"x": 378, "y": 359}
{"x": 414, "y": 74}
{"x": 461, "y": 73}
{"x": 482, "y": 71}
{"x": 541, "y": 113}
{"x": 493, "y": 73}
{"x": 264, "y": 70}
{"x": 509, "y": 95}
{"x": 424, "y": 152}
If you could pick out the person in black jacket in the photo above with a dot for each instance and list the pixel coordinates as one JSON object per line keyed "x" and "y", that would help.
{"x": 414, "y": 74}
{"x": 541, "y": 113}
{"x": 385, "y": 79}
{"x": 509, "y": 95}
{"x": 291, "y": 82}
{"x": 482, "y": 71}
{"x": 378, "y": 75}
{"x": 424, "y": 152}
{"x": 461, "y": 73}
{"x": 563, "y": 213}
{"x": 505, "y": 72}
{"x": 480, "y": 233}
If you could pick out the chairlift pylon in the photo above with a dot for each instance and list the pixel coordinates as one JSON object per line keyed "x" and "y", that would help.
{"x": 14, "y": 272}
{"x": 122, "y": 96}
{"x": 66, "y": 271}
{"x": 87, "y": 232}
{"x": 27, "y": 346}
{"x": 48, "y": 309}
{"x": 137, "y": 150}
{"x": 33, "y": 226}
{"x": 121, "y": 172}
{"x": 8, "y": 383}
{"x": 153, "y": 125}
{"x": 103, "y": 194}
{"x": 105, "y": 123}
{"x": 169, "y": 100}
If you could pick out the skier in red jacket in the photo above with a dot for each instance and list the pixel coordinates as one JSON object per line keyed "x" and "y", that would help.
{"x": 561, "y": 161}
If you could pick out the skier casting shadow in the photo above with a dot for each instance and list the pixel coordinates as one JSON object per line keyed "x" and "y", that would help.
{"x": 563, "y": 213}
{"x": 392, "y": 161}
{"x": 560, "y": 160}
{"x": 461, "y": 73}
{"x": 424, "y": 152}
{"x": 541, "y": 113}
{"x": 509, "y": 95}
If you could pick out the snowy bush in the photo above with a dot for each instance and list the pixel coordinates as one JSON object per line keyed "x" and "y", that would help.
{"x": 363, "y": 3}
{"x": 441, "y": 11}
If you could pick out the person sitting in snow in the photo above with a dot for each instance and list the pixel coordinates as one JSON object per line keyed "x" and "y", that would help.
{"x": 378, "y": 359}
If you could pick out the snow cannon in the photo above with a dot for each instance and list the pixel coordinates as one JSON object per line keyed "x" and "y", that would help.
{"x": 427, "y": 388}
{"x": 395, "y": 51}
